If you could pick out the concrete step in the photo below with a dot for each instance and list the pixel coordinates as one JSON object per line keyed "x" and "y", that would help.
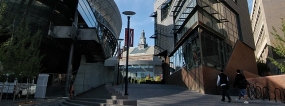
{"x": 87, "y": 103}
{"x": 66, "y": 103}
{"x": 115, "y": 105}
{"x": 99, "y": 100}
{"x": 101, "y": 104}
{"x": 119, "y": 97}
{"x": 99, "y": 89}
{"x": 104, "y": 95}
{"x": 114, "y": 92}
{"x": 126, "y": 102}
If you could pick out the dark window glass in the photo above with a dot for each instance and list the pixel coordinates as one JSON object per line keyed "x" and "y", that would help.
{"x": 165, "y": 8}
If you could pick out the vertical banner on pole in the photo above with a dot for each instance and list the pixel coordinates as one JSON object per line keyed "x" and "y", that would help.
{"x": 131, "y": 37}
{"x": 131, "y": 41}
{"x": 126, "y": 36}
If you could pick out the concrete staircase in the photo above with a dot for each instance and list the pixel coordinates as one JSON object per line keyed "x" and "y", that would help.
{"x": 104, "y": 95}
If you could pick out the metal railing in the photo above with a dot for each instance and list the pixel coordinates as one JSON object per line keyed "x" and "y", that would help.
{"x": 265, "y": 93}
{"x": 280, "y": 94}
{"x": 283, "y": 100}
{"x": 254, "y": 91}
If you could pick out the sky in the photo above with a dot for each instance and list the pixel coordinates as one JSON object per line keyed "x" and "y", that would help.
{"x": 141, "y": 20}
{"x": 249, "y": 5}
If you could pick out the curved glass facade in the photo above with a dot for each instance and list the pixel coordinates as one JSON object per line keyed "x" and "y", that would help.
{"x": 87, "y": 14}
{"x": 109, "y": 28}
{"x": 45, "y": 14}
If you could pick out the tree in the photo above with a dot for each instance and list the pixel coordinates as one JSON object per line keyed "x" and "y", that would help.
{"x": 279, "y": 46}
{"x": 28, "y": 58}
{"x": 3, "y": 29}
{"x": 2, "y": 9}
{"x": 19, "y": 53}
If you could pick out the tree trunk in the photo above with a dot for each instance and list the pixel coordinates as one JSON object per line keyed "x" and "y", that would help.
{"x": 15, "y": 90}
{"x": 28, "y": 89}
{"x": 3, "y": 85}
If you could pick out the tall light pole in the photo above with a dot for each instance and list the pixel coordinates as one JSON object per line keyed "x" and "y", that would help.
{"x": 128, "y": 14}
{"x": 119, "y": 56}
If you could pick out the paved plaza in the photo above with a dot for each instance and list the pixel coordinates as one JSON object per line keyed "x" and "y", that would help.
{"x": 157, "y": 95}
{"x": 171, "y": 95}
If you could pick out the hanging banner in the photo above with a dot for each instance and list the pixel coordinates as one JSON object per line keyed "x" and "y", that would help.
{"x": 131, "y": 37}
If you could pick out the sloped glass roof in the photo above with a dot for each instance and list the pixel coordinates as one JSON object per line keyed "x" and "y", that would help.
{"x": 86, "y": 13}
{"x": 110, "y": 12}
{"x": 137, "y": 50}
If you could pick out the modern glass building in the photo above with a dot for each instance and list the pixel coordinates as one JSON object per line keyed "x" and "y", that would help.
{"x": 78, "y": 35}
{"x": 200, "y": 37}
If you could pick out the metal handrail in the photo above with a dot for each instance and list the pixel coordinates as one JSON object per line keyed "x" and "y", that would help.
{"x": 258, "y": 89}
{"x": 283, "y": 100}
{"x": 280, "y": 95}
{"x": 265, "y": 89}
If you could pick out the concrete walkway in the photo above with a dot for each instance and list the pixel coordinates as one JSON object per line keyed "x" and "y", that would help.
{"x": 171, "y": 95}
{"x": 33, "y": 102}
{"x": 158, "y": 95}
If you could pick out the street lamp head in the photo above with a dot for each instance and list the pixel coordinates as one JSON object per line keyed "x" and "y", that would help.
{"x": 129, "y": 13}
{"x": 120, "y": 39}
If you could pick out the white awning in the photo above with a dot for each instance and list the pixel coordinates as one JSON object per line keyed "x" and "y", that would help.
{"x": 113, "y": 61}
{"x": 155, "y": 61}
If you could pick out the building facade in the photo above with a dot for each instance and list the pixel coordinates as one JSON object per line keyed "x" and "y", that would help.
{"x": 142, "y": 62}
{"x": 77, "y": 36}
{"x": 200, "y": 37}
{"x": 265, "y": 15}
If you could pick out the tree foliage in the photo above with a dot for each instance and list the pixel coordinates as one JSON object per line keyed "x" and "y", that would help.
{"x": 19, "y": 48}
{"x": 279, "y": 46}
{"x": 19, "y": 53}
{"x": 3, "y": 29}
